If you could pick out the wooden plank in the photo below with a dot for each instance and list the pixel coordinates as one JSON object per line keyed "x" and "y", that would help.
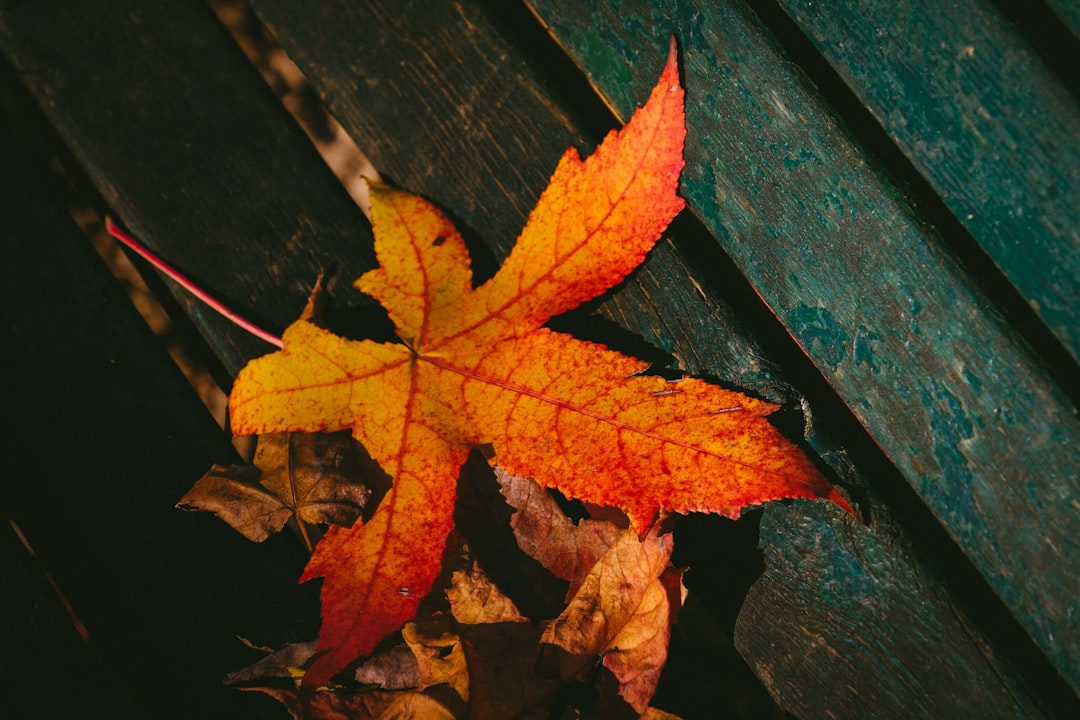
{"x": 971, "y": 419}
{"x": 108, "y": 435}
{"x": 43, "y": 648}
{"x": 677, "y": 307}
{"x": 657, "y": 323}
{"x": 1068, "y": 12}
{"x": 191, "y": 149}
{"x": 876, "y": 620}
{"x": 984, "y": 119}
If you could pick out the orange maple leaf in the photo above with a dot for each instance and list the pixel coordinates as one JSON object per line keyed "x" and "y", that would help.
{"x": 475, "y": 368}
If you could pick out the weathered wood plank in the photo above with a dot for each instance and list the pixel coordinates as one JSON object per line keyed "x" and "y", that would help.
{"x": 1069, "y": 13}
{"x": 673, "y": 307}
{"x": 43, "y": 648}
{"x": 442, "y": 101}
{"x": 982, "y": 117}
{"x": 970, "y": 418}
{"x": 876, "y": 619}
{"x": 191, "y": 149}
{"x": 108, "y": 435}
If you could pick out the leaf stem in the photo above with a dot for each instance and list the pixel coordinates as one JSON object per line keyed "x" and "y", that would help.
{"x": 304, "y": 535}
{"x": 215, "y": 304}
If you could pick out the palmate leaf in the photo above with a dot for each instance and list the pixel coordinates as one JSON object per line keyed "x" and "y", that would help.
{"x": 475, "y": 367}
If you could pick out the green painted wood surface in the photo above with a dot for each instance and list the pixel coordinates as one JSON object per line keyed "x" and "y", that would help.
{"x": 103, "y": 435}
{"x": 879, "y": 615}
{"x": 193, "y": 152}
{"x": 971, "y": 419}
{"x": 981, "y": 116}
{"x": 1069, "y": 13}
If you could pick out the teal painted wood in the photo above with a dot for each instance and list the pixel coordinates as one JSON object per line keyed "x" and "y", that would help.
{"x": 970, "y": 418}
{"x": 985, "y": 121}
{"x": 881, "y": 614}
{"x": 1069, "y": 12}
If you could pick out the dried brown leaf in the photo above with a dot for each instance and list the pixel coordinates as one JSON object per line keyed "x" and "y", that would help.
{"x": 475, "y": 599}
{"x": 544, "y": 532}
{"x": 288, "y": 662}
{"x": 318, "y": 477}
{"x": 438, "y": 652}
{"x": 416, "y": 706}
{"x": 395, "y": 669}
{"x": 622, "y": 610}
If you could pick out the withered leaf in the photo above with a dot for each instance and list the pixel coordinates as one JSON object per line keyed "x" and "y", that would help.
{"x": 338, "y": 704}
{"x": 437, "y": 649}
{"x": 543, "y": 531}
{"x": 318, "y": 477}
{"x": 416, "y": 706}
{"x": 395, "y": 669}
{"x": 475, "y": 599}
{"x": 284, "y": 663}
{"x": 623, "y": 593}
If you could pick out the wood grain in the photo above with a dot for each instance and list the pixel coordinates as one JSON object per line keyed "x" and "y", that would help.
{"x": 192, "y": 152}
{"x": 984, "y": 119}
{"x": 946, "y": 388}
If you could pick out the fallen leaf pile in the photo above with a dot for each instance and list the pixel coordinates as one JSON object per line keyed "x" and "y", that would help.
{"x": 474, "y": 645}
{"x": 476, "y": 368}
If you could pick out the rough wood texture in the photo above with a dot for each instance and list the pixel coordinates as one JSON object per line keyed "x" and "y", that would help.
{"x": 190, "y": 149}
{"x": 450, "y": 100}
{"x": 445, "y": 100}
{"x": 1069, "y": 13}
{"x": 878, "y": 620}
{"x": 982, "y": 117}
{"x": 959, "y": 404}
{"x": 109, "y": 435}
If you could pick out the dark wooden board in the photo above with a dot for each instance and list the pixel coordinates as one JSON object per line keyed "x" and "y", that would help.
{"x": 947, "y": 389}
{"x": 1068, "y": 12}
{"x": 43, "y": 647}
{"x": 672, "y": 306}
{"x": 984, "y": 119}
{"x": 193, "y": 152}
{"x": 107, "y": 435}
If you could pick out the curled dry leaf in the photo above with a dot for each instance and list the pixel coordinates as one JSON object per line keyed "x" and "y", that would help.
{"x": 544, "y": 532}
{"x": 335, "y": 705}
{"x": 623, "y": 593}
{"x": 437, "y": 647}
{"x": 416, "y": 706}
{"x": 395, "y": 669}
{"x": 316, "y": 477}
{"x": 288, "y": 662}
{"x": 381, "y": 681}
{"x": 475, "y": 599}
